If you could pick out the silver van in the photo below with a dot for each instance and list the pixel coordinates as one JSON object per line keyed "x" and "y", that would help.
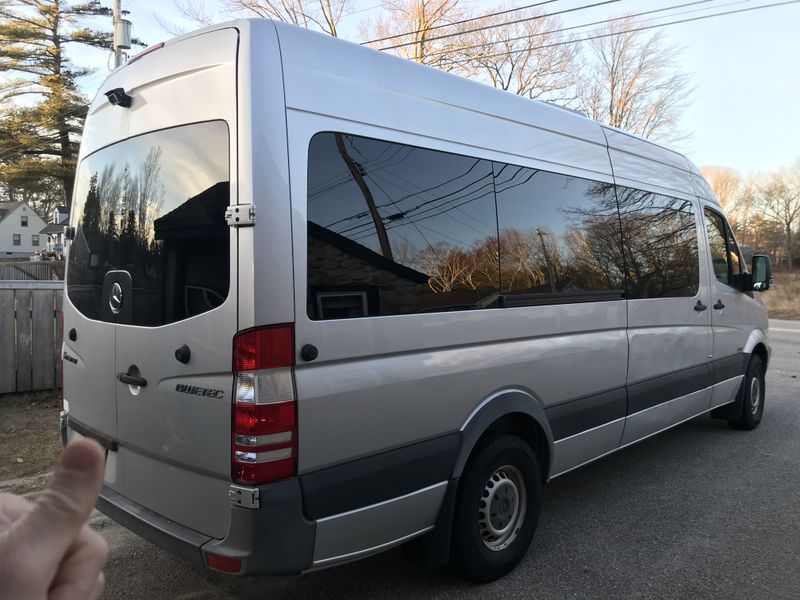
{"x": 322, "y": 301}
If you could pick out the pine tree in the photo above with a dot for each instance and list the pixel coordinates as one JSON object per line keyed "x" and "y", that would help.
{"x": 41, "y": 109}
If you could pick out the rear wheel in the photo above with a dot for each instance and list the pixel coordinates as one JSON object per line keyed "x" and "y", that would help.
{"x": 497, "y": 507}
{"x": 754, "y": 393}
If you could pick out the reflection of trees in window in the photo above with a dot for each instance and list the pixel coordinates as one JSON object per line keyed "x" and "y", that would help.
{"x": 559, "y": 234}
{"x": 661, "y": 244}
{"x": 118, "y": 214}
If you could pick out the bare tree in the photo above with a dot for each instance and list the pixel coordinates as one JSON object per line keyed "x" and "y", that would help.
{"x": 518, "y": 57}
{"x": 726, "y": 183}
{"x": 407, "y": 29}
{"x": 778, "y": 198}
{"x": 321, "y": 15}
{"x": 633, "y": 81}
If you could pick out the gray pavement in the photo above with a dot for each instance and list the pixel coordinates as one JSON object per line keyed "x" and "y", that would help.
{"x": 701, "y": 511}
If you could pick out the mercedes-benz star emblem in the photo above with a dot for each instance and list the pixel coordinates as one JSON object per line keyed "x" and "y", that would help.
{"x": 115, "y": 300}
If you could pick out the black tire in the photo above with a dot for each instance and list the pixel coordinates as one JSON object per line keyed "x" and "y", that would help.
{"x": 511, "y": 464}
{"x": 754, "y": 393}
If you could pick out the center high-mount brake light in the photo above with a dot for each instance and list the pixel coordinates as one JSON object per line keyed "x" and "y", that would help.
{"x": 264, "y": 436}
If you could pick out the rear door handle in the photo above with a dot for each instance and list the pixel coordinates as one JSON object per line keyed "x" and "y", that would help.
{"x": 719, "y": 305}
{"x": 700, "y": 307}
{"x": 132, "y": 377}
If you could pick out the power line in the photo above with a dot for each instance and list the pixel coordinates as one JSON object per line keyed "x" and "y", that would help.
{"x": 612, "y": 34}
{"x": 503, "y": 24}
{"x": 494, "y": 14}
{"x": 573, "y": 27}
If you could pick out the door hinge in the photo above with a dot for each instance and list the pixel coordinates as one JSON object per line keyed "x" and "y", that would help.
{"x": 246, "y": 497}
{"x": 240, "y": 215}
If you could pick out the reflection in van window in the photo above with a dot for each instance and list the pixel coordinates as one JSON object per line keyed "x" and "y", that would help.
{"x": 661, "y": 256}
{"x": 725, "y": 255}
{"x": 395, "y": 229}
{"x": 154, "y": 207}
{"x": 559, "y": 237}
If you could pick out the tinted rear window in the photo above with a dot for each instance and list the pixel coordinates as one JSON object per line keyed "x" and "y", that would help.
{"x": 153, "y": 207}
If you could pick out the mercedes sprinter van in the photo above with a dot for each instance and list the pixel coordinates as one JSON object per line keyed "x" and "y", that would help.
{"x": 322, "y": 301}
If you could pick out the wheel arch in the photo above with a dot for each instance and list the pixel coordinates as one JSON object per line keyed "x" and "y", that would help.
{"x": 757, "y": 344}
{"x": 510, "y": 411}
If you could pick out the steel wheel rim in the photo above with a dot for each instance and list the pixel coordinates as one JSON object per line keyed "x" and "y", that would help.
{"x": 502, "y": 507}
{"x": 755, "y": 395}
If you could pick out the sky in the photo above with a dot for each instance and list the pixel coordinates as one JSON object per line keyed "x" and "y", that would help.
{"x": 743, "y": 114}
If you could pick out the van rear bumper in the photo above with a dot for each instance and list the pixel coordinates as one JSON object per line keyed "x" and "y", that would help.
{"x": 274, "y": 539}
{"x": 174, "y": 538}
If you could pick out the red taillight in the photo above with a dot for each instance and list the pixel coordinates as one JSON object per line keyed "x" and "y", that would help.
{"x": 226, "y": 564}
{"x": 263, "y": 419}
{"x": 264, "y": 348}
{"x": 264, "y": 437}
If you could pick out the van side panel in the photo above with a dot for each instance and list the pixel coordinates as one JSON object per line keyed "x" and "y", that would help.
{"x": 669, "y": 376}
{"x": 383, "y": 383}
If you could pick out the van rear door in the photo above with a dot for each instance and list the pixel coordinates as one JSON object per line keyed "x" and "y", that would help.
{"x": 150, "y": 205}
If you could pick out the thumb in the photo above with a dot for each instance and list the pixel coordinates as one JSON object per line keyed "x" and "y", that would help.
{"x": 63, "y": 507}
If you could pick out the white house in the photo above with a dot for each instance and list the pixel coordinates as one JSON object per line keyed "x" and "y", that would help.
{"x": 54, "y": 231}
{"x": 20, "y": 231}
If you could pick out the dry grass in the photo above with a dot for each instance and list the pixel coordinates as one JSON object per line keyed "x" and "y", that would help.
{"x": 783, "y": 299}
{"x": 29, "y": 434}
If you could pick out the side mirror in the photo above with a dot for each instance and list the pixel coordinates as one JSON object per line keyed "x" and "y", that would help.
{"x": 761, "y": 273}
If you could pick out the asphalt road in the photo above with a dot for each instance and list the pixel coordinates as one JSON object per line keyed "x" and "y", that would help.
{"x": 701, "y": 511}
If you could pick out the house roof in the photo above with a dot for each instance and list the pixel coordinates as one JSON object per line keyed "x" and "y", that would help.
{"x": 350, "y": 247}
{"x": 7, "y": 208}
{"x": 52, "y": 228}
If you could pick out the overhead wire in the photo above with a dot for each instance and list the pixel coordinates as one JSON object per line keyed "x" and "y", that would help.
{"x": 616, "y": 33}
{"x": 502, "y": 24}
{"x": 574, "y": 27}
{"x": 452, "y": 24}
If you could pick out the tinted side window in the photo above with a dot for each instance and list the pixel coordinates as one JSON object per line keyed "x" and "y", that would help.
{"x": 737, "y": 264}
{"x": 661, "y": 252}
{"x": 395, "y": 229}
{"x": 559, "y": 237}
{"x": 725, "y": 255}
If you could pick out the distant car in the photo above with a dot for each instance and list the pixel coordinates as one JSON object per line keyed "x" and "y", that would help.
{"x": 322, "y": 301}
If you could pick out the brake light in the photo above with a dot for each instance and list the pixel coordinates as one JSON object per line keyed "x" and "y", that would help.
{"x": 146, "y": 51}
{"x": 264, "y": 428}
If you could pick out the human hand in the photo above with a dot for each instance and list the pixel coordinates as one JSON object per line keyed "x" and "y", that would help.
{"x": 47, "y": 551}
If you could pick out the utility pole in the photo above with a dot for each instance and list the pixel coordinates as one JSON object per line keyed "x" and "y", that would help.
{"x": 122, "y": 33}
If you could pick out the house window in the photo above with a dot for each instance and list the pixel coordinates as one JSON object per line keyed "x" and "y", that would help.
{"x": 17, "y": 239}
{"x": 23, "y": 221}
{"x": 35, "y": 239}
{"x": 342, "y": 305}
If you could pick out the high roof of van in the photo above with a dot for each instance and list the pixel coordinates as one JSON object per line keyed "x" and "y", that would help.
{"x": 329, "y": 76}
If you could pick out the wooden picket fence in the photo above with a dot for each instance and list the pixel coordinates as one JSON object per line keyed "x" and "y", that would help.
{"x": 30, "y": 335}
{"x": 23, "y": 270}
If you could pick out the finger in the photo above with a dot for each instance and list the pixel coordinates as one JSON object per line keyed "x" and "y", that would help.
{"x": 63, "y": 507}
{"x": 12, "y": 508}
{"x": 83, "y": 563}
{"x": 99, "y": 586}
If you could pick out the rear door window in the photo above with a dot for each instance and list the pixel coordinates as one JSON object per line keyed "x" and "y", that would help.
{"x": 153, "y": 207}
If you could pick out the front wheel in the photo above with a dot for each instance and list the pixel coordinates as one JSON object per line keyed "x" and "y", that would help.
{"x": 497, "y": 507}
{"x": 754, "y": 393}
